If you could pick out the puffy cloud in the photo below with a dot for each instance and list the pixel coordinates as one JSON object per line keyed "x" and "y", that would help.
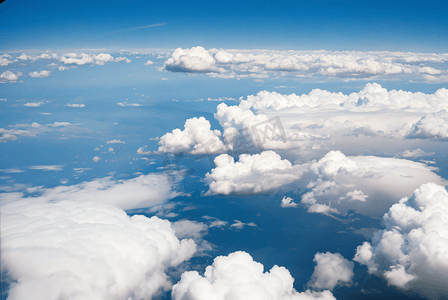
{"x": 41, "y": 74}
{"x": 102, "y": 58}
{"x": 237, "y": 276}
{"x": 73, "y": 59}
{"x": 288, "y": 202}
{"x": 141, "y": 152}
{"x": 63, "y": 68}
{"x": 196, "y": 59}
{"x": 331, "y": 270}
{"x": 411, "y": 252}
{"x": 196, "y": 138}
{"x": 258, "y": 173}
{"x": 81, "y": 249}
{"x": 9, "y": 76}
{"x": 416, "y": 153}
{"x": 430, "y": 126}
{"x": 4, "y": 61}
{"x": 345, "y": 65}
{"x": 118, "y": 59}
{"x": 148, "y": 63}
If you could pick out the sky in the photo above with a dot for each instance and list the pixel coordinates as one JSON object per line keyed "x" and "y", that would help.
{"x": 229, "y": 150}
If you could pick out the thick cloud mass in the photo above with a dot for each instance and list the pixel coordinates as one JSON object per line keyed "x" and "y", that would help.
{"x": 412, "y": 251}
{"x": 142, "y": 191}
{"x": 430, "y": 126}
{"x": 85, "y": 250}
{"x": 344, "y": 65}
{"x": 196, "y": 138}
{"x": 238, "y": 277}
{"x": 331, "y": 270}
{"x": 258, "y": 173}
{"x": 334, "y": 184}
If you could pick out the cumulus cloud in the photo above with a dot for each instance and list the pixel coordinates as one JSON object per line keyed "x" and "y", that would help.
{"x": 9, "y": 76}
{"x": 331, "y": 270}
{"x": 238, "y": 276}
{"x": 148, "y": 63}
{"x": 416, "y": 153}
{"x": 41, "y": 74}
{"x": 118, "y": 59}
{"x": 4, "y": 61}
{"x": 430, "y": 126}
{"x": 345, "y": 65}
{"x": 252, "y": 174}
{"x": 410, "y": 253}
{"x": 86, "y": 250}
{"x": 288, "y": 202}
{"x": 141, "y": 152}
{"x": 196, "y": 59}
{"x": 33, "y": 104}
{"x": 196, "y": 138}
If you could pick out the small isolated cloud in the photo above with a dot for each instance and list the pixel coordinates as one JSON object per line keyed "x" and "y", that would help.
{"x": 3, "y": 99}
{"x": 4, "y": 61}
{"x": 47, "y": 167}
{"x": 118, "y": 59}
{"x": 288, "y": 202}
{"x": 12, "y": 171}
{"x": 148, "y": 63}
{"x": 111, "y": 149}
{"x": 238, "y": 276}
{"x": 33, "y": 104}
{"x": 63, "y": 68}
{"x": 96, "y": 158}
{"x": 331, "y": 270}
{"x": 239, "y": 225}
{"x": 128, "y": 104}
{"x": 196, "y": 59}
{"x": 410, "y": 253}
{"x": 75, "y": 105}
{"x": 9, "y": 76}
{"x": 141, "y": 152}
{"x": 115, "y": 142}
{"x": 41, "y": 74}
{"x": 196, "y": 138}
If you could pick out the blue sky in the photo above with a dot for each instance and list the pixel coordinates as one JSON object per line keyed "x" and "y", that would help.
{"x": 204, "y": 150}
{"x": 304, "y": 25}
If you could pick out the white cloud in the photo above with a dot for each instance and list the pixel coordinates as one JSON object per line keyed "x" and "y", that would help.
{"x": 196, "y": 59}
{"x": 47, "y": 167}
{"x": 288, "y": 202}
{"x": 142, "y": 191}
{"x": 252, "y": 174}
{"x": 115, "y": 142}
{"x": 33, "y": 104}
{"x": 430, "y": 126}
{"x": 63, "y": 68}
{"x": 141, "y": 152}
{"x": 128, "y": 104}
{"x": 75, "y": 105}
{"x": 4, "y": 61}
{"x": 111, "y": 149}
{"x": 12, "y": 171}
{"x": 416, "y": 153}
{"x": 118, "y": 59}
{"x": 237, "y": 276}
{"x": 343, "y": 65}
{"x": 96, "y": 158}
{"x": 86, "y": 250}
{"x": 239, "y": 225}
{"x": 10, "y": 76}
{"x": 411, "y": 251}
{"x": 41, "y": 74}
{"x": 102, "y": 58}
{"x": 148, "y": 63}
{"x": 196, "y": 138}
{"x": 331, "y": 270}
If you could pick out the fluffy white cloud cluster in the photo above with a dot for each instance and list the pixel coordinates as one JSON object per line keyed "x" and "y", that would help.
{"x": 344, "y": 65}
{"x": 238, "y": 276}
{"x": 4, "y": 61}
{"x": 86, "y": 250}
{"x": 83, "y": 58}
{"x": 196, "y": 59}
{"x": 143, "y": 191}
{"x": 334, "y": 184}
{"x": 332, "y": 269}
{"x": 412, "y": 251}
{"x": 430, "y": 126}
{"x": 258, "y": 173}
{"x": 41, "y": 74}
{"x": 196, "y": 138}
{"x": 9, "y": 76}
